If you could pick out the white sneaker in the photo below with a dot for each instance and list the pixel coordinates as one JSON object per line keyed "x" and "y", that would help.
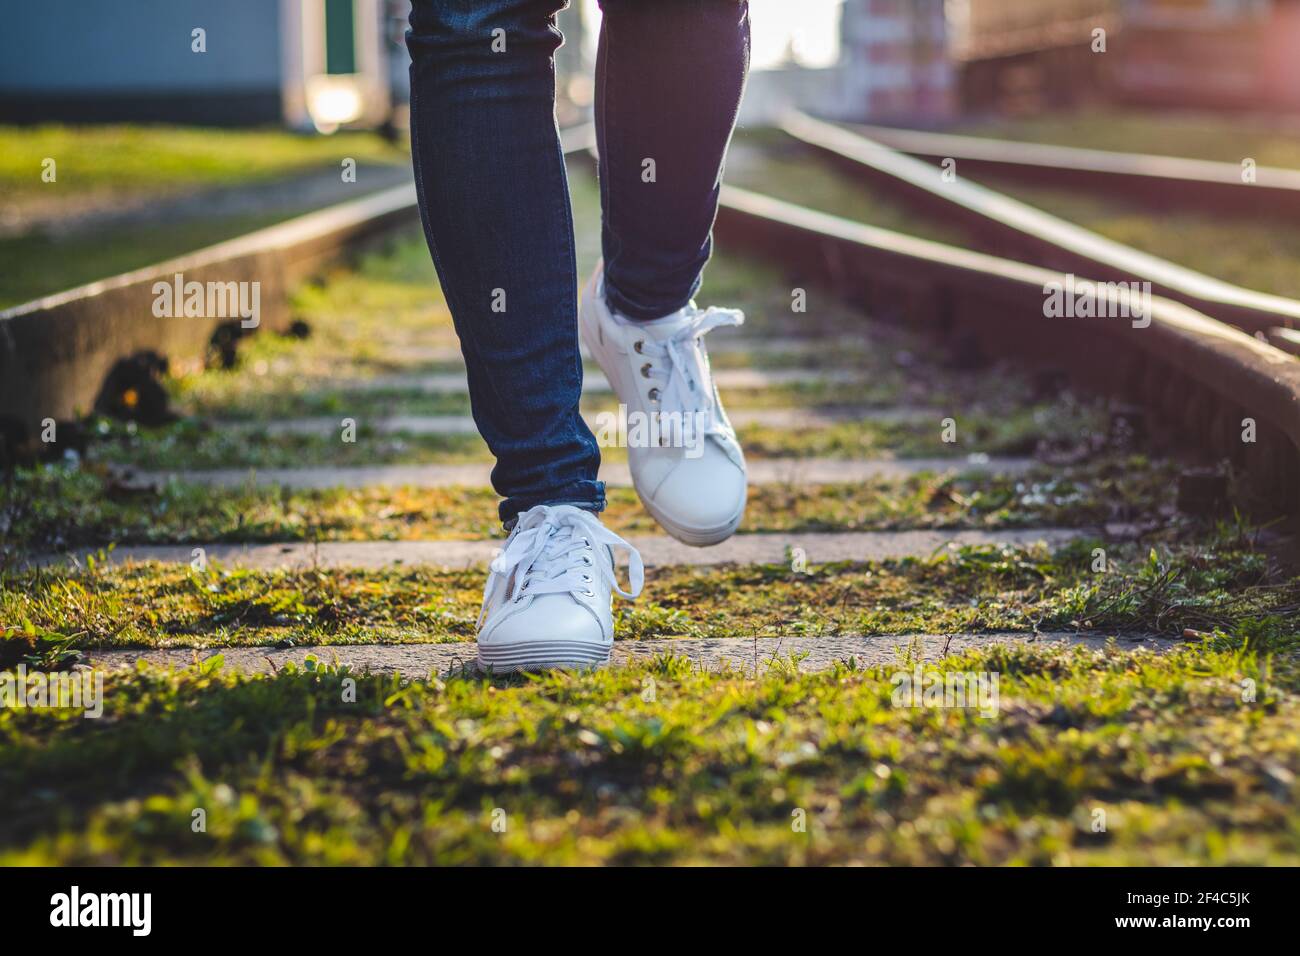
{"x": 694, "y": 488}
{"x": 547, "y": 598}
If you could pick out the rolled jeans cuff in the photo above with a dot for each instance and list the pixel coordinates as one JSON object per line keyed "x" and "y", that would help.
{"x": 589, "y": 495}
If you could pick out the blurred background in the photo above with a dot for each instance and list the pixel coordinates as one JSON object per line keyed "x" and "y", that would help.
{"x": 327, "y": 64}
{"x": 176, "y": 123}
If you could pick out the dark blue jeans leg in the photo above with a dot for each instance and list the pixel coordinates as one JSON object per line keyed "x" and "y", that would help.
{"x": 669, "y": 78}
{"x": 494, "y": 201}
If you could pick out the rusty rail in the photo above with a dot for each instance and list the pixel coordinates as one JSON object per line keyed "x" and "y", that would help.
{"x": 1197, "y": 372}
{"x": 1162, "y": 182}
{"x": 1193, "y": 371}
{"x": 56, "y": 351}
{"x": 1016, "y": 230}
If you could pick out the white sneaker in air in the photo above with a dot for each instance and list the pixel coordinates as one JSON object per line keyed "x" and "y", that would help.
{"x": 547, "y": 598}
{"x": 696, "y": 487}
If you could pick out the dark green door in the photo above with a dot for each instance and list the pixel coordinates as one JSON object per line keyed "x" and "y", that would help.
{"x": 340, "y": 37}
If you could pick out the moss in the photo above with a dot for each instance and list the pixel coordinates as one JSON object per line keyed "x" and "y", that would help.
{"x": 127, "y": 160}
{"x": 111, "y": 166}
{"x": 661, "y": 763}
{"x": 958, "y": 590}
{"x": 50, "y": 509}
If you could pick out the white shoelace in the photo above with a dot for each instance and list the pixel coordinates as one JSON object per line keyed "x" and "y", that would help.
{"x": 558, "y": 549}
{"x": 687, "y": 383}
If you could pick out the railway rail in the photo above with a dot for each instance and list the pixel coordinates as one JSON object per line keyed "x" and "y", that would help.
{"x": 1197, "y": 372}
{"x": 1016, "y": 230}
{"x": 1166, "y": 182}
{"x": 57, "y": 352}
{"x": 1216, "y": 381}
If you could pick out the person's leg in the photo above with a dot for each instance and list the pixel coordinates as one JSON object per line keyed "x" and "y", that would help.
{"x": 495, "y": 205}
{"x": 670, "y": 75}
{"x": 669, "y": 79}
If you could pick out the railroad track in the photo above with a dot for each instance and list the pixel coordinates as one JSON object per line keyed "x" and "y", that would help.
{"x": 57, "y": 353}
{"x": 1205, "y": 376}
{"x": 1218, "y": 383}
{"x": 1016, "y": 230}
{"x": 1161, "y": 182}
{"x": 857, "y": 560}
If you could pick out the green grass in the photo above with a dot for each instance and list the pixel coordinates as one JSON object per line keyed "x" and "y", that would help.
{"x": 1002, "y": 432}
{"x": 296, "y": 399}
{"x": 50, "y": 509}
{"x": 956, "y": 590}
{"x": 198, "y": 444}
{"x": 104, "y": 167}
{"x": 94, "y": 161}
{"x": 659, "y": 763}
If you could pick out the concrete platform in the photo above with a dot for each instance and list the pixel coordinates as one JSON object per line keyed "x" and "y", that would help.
{"x": 657, "y": 551}
{"x": 782, "y": 418}
{"x": 750, "y": 654}
{"x": 595, "y": 383}
{"x": 762, "y": 471}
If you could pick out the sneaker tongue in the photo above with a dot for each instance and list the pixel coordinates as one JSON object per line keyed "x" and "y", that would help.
{"x": 660, "y": 330}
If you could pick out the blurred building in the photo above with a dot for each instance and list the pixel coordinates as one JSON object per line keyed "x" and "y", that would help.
{"x": 327, "y": 64}
{"x": 1209, "y": 54}
{"x": 895, "y": 61}
{"x": 304, "y": 63}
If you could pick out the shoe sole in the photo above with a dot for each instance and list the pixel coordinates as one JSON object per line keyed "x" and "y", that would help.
{"x": 569, "y": 655}
{"x": 695, "y": 537}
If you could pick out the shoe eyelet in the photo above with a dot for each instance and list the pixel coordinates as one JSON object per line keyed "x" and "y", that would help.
{"x": 638, "y": 345}
{"x": 653, "y": 395}
{"x": 589, "y": 592}
{"x": 645, "y": 370}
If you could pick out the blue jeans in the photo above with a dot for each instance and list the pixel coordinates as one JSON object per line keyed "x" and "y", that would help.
{"x": 494, "y": 201}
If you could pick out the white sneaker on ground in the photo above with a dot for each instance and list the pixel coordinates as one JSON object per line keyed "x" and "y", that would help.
{"x": 695, "y": 488}
{"x": 547, "y": 598}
